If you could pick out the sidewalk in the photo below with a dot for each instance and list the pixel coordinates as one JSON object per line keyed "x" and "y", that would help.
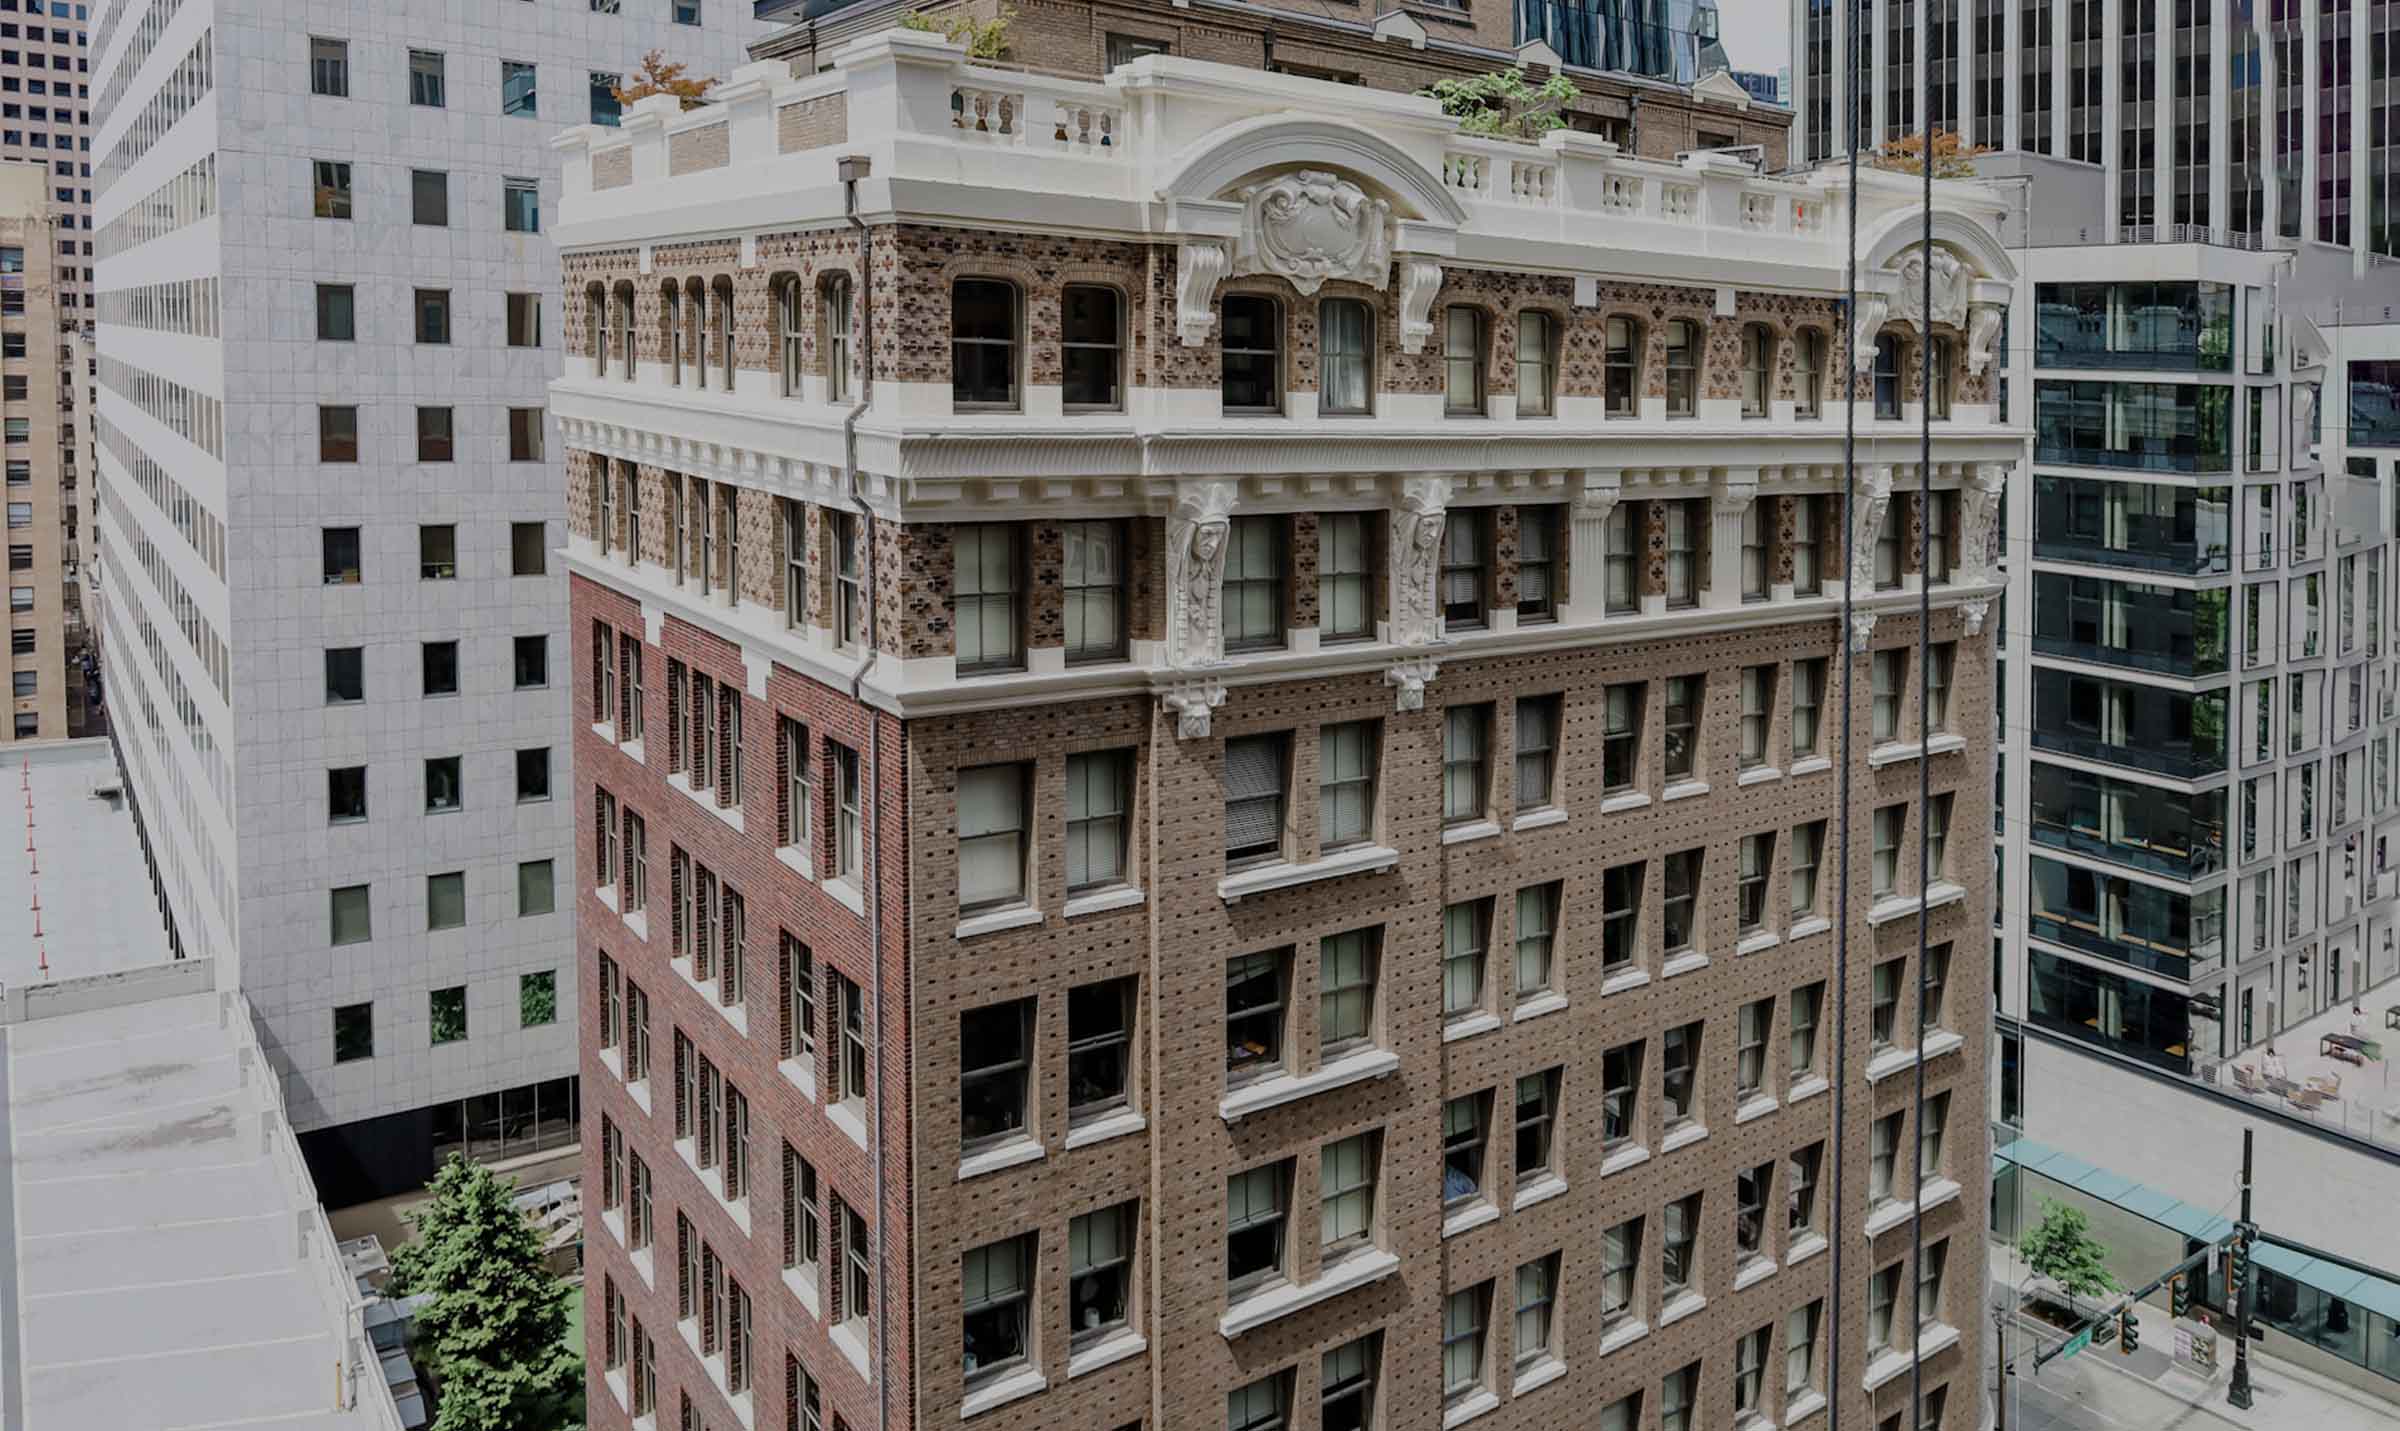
{"x": 2102, "y": 1388}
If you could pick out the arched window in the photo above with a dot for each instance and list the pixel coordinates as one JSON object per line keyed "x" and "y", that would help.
{"x": 624, "y": 327}
{"x": 1346, "y": 356}
{"x": 670, "y": 330}
{"x": 983, "y": 343}
{"x": 1252, "y": 353}
{"x": 1537, "y": 364}
{"x": 1683, "y": 367}
{"x": 788, "y": 333}
{"x": 695, "y": 329}
{"x": 720, "y": 313}
{"x": 1887, "y": 376}
{"x": 1811, "y": 377}
{"x": 1621, "y": 368}
{"x": 834, "y": 310}
{"x": 1758, "y": 363}
{"x": 1092, "y": 347}
{"x": 1937, "y": 396}
{"x": 595, "y": 317}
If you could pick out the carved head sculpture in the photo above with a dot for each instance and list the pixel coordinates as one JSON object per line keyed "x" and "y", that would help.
{"x": 1309, "y": 226}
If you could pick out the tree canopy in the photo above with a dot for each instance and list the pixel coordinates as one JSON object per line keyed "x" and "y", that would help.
{"x": 659, "y": 75}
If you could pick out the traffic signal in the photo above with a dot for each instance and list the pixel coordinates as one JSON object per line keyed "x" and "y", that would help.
{"x": 2237, "y": 1266}
{"x": 2179, "y": 1297}
{"x": 2129, "y": 1330}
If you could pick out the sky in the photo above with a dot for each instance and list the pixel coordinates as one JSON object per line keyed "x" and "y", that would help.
{"x": 1757, "y": 34}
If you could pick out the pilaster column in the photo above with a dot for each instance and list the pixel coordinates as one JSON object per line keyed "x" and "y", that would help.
{"x": 1587, "y": 546}
{"x": 1727, "y": 502}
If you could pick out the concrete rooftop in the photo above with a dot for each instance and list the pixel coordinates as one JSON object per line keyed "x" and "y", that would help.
{"x": 97, "y": 914}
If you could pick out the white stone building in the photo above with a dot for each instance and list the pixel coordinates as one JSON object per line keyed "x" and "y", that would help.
{"x": 336, "y": 636}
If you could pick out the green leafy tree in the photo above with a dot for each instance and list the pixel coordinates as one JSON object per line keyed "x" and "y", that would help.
{"x": 1501, "y": 104}
{"x": 984, "y": 39}
{"x": 2061, "y": 1247}
{"x": 493, "y": 1334}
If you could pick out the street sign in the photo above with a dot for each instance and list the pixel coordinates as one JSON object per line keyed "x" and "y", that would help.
{"x": 2076, "y": 1343}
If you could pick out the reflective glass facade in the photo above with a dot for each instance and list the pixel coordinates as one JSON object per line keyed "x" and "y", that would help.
{"x": 2170, "y": 630}
{"x": 2140, "y": 525}
{"x": 2151, "y": 427}
{"x": 2168, "y": 327}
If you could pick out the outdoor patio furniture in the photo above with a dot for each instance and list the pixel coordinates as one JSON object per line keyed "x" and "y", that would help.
{"x": 2325, "y": 1085}
{"x": 2245, "y": 1077}
{"x": 2391, "y": 1016}
{"x": 2305, "y": 1099}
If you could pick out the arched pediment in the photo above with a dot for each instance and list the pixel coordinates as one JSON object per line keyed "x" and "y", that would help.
{"x": 1978, "y": 247}
{"x": 1274, "y": 144}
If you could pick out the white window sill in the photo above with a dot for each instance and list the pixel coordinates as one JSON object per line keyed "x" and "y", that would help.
{"x": 1359, "y": 859}
{"x": 1122, "y": 1123}
{"x": 634, "y": 751}
{"x": 796, "y": 862}
{"x": 1807, "y": 1403}
{"x": 615, "y": 1066}
{"x": 1016, "y": 1386}
{"x": 1756, "y": 943}
{"x": 734, "y": 1014}
{"x": 1533, "y": 1006}
{"x": 640, "y": 1257}
{"x": 996, "y": 921}
{"x": 1540, "y": 1189}
{"x": 707, "y": 800}
{"x": 1814, "y": 924}
{"x": 1684, "y": 790}
{"x": 1467, "y": 1217}
{"x": 1895, "y": 1361}
{"x": 1758, "y": 775}
{"x": 850, "y": 1339}
{"x": 606, "y": 894}
{"x": 1472, "y": 1024}
{"x": 1284, "y": 1298}
{"x": 639, "y": 922}
{"x": 1808, "y": 1087}
{"x": 800, "y": 1076}
{"x": 1896, "y": 1213}
{"x": 640, "y": 1094}
{"x": 1016, "y": 1152}
{"x": 1900, "y": 1060}
{"x": 615, "y": 1380}
{"x": 1539, "y": 819}
{"x": 1628, "y": 1157}
{"x": 803, "y": 1284}
{"x": 846, "y": 1118}
{"x": 1678, "y": 1307}
{"x": 1810, "y": 765}
{"x": 1101, "y": 901}
{"x": 1629, "y": 800}
{"x": 1683, "y": 1137}
{"x": 606, "y": 730}
{"x": 1474, "y": 830}
{"x": 847, "y": 895}
{"x": 1896, "y": 906}
{"x": 1755, "y": 1271}
{"x": 1805, "y": 1246}
{"x": 1117, "y": 1346}
{"x": 1623, "y": 1334}
{"x": 1469, "y": 1407}
{"x": 1548, "y": 1369}
{"x": 1288, "y": 1087}
{"x": 1757, "y": 1105}
{"x": 1689, "y": 961}
{"x": 1622, "y": 980}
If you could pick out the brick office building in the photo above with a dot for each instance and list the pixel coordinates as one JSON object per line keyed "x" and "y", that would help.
{"x": 1164, "y": 654}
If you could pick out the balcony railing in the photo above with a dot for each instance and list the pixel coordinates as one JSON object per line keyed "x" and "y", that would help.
{"x": 2133, "y": 459}
{"x": 2165, "y": 860}
{"x": 2182, "y": 763}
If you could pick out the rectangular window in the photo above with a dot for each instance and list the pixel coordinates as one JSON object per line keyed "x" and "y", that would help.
{"x": 1884, "y": 874}
{"x": 1346, "y": 1383}
{"x": 337, "y": 318}
{"x": 1099, "y": 1047}
{"x": 1093, "y": 590}
{"x": 517, "y": 93}
{"x": 1537, "y": 563}
{"x": 1686, "y": 698}
{"x": 850, "y": 1084}
{"x": 996, "y": 1294}
{"x": 1808, "y": 844}
{"x": 992, "y": 837}
{"x": 1099, "y": 797}
{"x": 848, "y": 828}
{"x": 1617, "y": 562}
{"x": 1679, "y": 1248}
{"x": 525, "y": 434}
{"x": 1621, "y": 1082}
{"x": 329, "y": 67}
{"x": 1345, "y": 598}
{"x": 1346, "y": 759}
{"x": 1620, "y": 1257}
{"x": 1466, "y": 934}
{"x": 1807, "y": 569}
{"x": 1256, "y": 986}
{"x": 1883, "y": 1156}
{"x": 1754, "y": 553}
{"x": 1621, "y": 367}
{"x": 1800, "y": 1350}
{"x": 1683, "y": 367}
{"x": 606, "y": 108}
{"x": 1100, "y": 1250}
{"x": 1254, "y": 794}
{"x": 1537, "y": 1123}
{"x": 1758, "y": 714}
{"x": 352, "y": 921}
{"x": 1466, "y": 744}
{"x": 1462, "y": 1148}
{"x": 1092, "y": 346}
{"x": 1750, "y": 889}
{"x": 983, "y": 343}
{"x": 434, "y": 439}
{"x": 1252, "y": 590}
{"x": 1465, "y": 568}
{"x": 341, "y": 560}
{"x": 332, "y": 188}
{"x": 425, "y": 77}
{"x": 1750, "y": 1047}
{"x": 1678, "y": 912}
{"x": 524, "y": 320}
{"x": 1346, "y": 1173}
{"x": 1263, "y": 1405}
{"x": 432, "y": 308}
{"x": 1256, "y": 1203}
{"x": 1685, "y": 521}
{"x": 1679, "y": 1074}
{"x": 1346, "y": 990}
{"x": 1883, "y": 1291}
{"x": 995, "y": 1052}
{"x": 1537, "y": 751}
{"x": 1462, "y": 1343}
{"x": 1620, "y": 915}
{"x": 521, "y": 206}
